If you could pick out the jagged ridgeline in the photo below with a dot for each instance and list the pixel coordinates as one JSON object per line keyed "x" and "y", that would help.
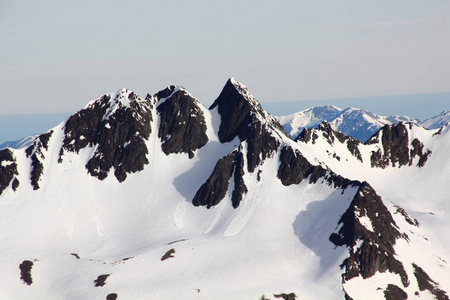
{"x": 163, "y": 198}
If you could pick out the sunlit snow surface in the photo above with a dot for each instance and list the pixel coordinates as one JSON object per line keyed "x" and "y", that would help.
{"x": 76, "y": 227}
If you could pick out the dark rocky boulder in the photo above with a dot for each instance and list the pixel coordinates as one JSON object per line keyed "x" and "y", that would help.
{"x": 8, "y": 170}
{"x": 25, "y": 271}
{"x": 284, "y": 296}
{"x": 112, "y": 296}
{"x": 375, "y": 253}
{"x": 101, "y": 280}
{"x": 117, "y": 128}
{"x": 183, "y": 126}
{"x": 168, "y": 254}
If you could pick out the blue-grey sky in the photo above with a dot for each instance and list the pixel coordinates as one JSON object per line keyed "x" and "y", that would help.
{"x": 55, "y": 56}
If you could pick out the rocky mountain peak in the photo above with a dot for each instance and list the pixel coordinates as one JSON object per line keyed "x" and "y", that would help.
{"x": 182, "y": 121}
{"x": 165, "y": 92}
{"x": 116, "y": 126}
{"x": 238, "y": 110}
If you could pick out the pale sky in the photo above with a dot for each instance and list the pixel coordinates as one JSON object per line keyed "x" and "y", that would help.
{"x": 56, "y": 56}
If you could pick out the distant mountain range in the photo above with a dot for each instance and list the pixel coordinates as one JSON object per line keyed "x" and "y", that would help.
{"x": 22, "y": 143}
{"x": 358, "y": 123}
{"x": 159, "y": 197}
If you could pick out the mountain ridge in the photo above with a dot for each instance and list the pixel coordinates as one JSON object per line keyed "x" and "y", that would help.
{"x": 358, "y": 123}
{"x": 161, "y": 197}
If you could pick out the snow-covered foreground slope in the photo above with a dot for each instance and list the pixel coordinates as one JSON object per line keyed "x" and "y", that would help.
{"x": 161, "y": 198}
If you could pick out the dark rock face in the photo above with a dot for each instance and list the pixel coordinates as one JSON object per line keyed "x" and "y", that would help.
{"x": 216, "y": 186}
{"x": 426, "y": 283}
{"x": 396, "y": 149}
{"x": 262, "y": 145}
{"x": 375, "y": 253}
{"x": 393, "y": 292}
{"x": 8, "y": 170}
{"x": 101, "y": 280}
{"x": 35, "y": 153}
{"x": 294, "y": 168}
{"x": 118, "y": 128}
{"x": 241, "y": 116}
{"x": 240, "y": 189}
{"x": 25, "y": 271}
{"x": 307, "y": 135}
{"x": 418, "y": 150}
{"x": 183, "y": 126}
{"x": 165, "y": 92}
{"x": 330, "y": 136}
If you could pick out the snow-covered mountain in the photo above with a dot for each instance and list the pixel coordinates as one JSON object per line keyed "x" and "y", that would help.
{"x": 358, "y": 123}
{"x": 161, "y": 198}
{"x": 443, "y": 119}
{"x": 22, "y": 143}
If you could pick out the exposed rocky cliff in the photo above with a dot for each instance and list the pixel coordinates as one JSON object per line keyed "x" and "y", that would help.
{"x": 242, "y": 116}
{"x": 35, "y": 153}
{"x": 182, "y": 123}
{"x": 217, "y": 185}
{"x": 8, "y": 170}
{"x": 370, "y": 232}
{"x": 116, "y": 126}
{"x": 395, "y": 147}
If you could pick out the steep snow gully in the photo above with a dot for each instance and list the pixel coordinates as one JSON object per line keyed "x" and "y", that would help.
{"x": 162, "y": 198}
